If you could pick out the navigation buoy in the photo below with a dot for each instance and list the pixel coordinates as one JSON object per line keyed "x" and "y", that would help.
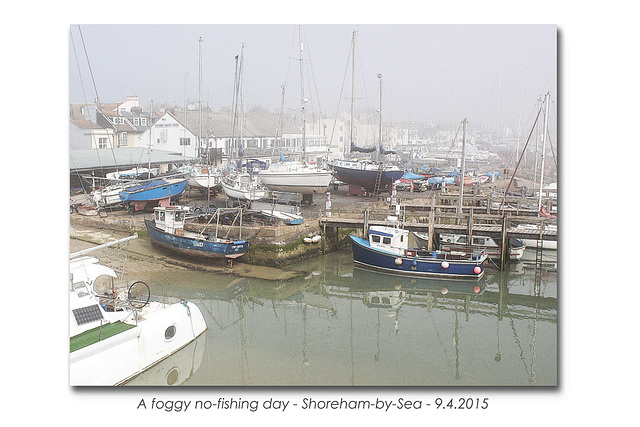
{"x": 445, "y": 264}
{"x": 477, "y": 270}
{"x": 398, "y": 261}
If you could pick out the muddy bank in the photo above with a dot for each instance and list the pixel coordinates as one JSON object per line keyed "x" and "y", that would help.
{"x": 140, "y": 255}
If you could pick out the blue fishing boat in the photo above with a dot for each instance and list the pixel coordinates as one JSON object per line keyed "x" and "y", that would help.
{"x": 167, "y": 232}
{"x": 155, "y": 190}
{"x": 388, "y": 250}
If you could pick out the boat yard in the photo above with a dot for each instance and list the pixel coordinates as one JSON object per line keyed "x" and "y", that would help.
{"x": 275, "y": 244}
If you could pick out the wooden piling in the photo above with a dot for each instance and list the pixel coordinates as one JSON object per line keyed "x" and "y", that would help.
{"x": 504, "y": 249}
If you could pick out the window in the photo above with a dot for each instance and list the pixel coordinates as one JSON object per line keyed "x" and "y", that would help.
{"x": 386, "y": 240}
{"x": 143, "y": 121}
{"x": 375, "y": 238}
{"x": 185, "y": 141}
{"x": 136, "y": 121}
{"x": 102, "y": 142}
{"x": 122, "y": 139}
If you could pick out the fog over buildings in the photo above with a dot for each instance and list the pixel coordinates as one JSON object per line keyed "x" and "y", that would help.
{"x": 491, "y": 74}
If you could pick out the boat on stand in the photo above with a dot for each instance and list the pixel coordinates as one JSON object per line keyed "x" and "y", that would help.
{"x": 295, "y": 177}
{"x": 243, "y": 186}
{"x": 372, "y": 176}
{"x": 205, "y": 178}
{"x": 116, "y": 330}
{"x": 387, "y": 250}
{"x": 298, "y": 176}
{"x": 367, "y": 174}
{"x": 155, "y": 190}
{"x": 167, "y": 231}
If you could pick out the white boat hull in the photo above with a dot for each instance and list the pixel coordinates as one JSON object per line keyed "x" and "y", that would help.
{"x": 204, "y": 181}
{"x": 241, "y": 194}
{"x": 115, "y": 360}
{"x": 304, "y": 182}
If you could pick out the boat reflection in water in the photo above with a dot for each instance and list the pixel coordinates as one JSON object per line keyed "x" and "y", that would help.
{"x": 337, "y": 325}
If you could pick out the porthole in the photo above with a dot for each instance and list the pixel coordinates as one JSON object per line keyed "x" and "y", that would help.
{"x": 173, "y": 376}
{"x": 170, "y": 332}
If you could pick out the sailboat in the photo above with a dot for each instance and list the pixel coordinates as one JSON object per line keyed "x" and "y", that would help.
{"x": 240, "y": 185}
{"x": 297, "y": 176}
{"x": 243, "y": 186}
{"x": 371, "y": 175}
{"x": 204, "y": 177}
{"x": 546, "y": 244}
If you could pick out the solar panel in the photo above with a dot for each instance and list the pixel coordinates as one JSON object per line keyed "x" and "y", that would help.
{"x": 87, "y": 314}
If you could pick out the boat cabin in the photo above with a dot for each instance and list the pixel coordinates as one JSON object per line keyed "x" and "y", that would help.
{"x": 389, "y": 239}
{"x": 170, "y": 219}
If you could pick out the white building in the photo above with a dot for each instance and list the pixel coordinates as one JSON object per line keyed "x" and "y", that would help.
{"x": 168, "y": 134}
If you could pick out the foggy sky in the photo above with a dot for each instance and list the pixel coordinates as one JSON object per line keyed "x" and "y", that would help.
{"x": 486, "y": 73}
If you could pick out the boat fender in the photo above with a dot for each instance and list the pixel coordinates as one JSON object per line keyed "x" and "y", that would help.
{"x": 445, "y": 264}
{"x": 398, "y": 261}
{"x": 477, "y": 269}
{"x": 414, "y": 263}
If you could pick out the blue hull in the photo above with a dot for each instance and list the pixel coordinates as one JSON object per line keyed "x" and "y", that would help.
{"x": 366, "y": 256}
{"x": 194, "y": 247}
{"x": 367, "y": 178}
{"x": 156, "y": 189}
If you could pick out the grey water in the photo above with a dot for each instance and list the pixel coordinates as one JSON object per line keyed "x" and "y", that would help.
{"x": 337, "y": 325}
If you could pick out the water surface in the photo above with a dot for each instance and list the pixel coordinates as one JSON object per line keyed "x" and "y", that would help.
{"x": 336, "y": 325}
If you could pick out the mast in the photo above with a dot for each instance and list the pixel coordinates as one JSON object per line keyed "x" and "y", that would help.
{"x": 464, "y": 137}
{"x": 278, "y": 138}
{"x": 353, "y": 77}
{"x": 380, "y": 120}
{"x": 241, "y": 97}
{"x": 235, "y": 113}
{"x": 199, "y": 94}
{"x": 302, "y": 99}
{"x": 149, "y": 149}
{"x": 535, "y": 169}
{"x": 544, "y": 146}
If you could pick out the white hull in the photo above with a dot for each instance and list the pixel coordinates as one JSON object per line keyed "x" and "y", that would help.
{"x": 546, "y": 244}
{"x": 123, "y": 343}
{"x": 204, "y": 181}
{"x": 243, "y": 187}
{"x": 115, "y": 360}
{"x": 250, "y": 195}
{"x": 108, "y": 196}
{"x": 533, "y": 243}
{"x": 302, "y": 180}
{"x": 203, "y": 177}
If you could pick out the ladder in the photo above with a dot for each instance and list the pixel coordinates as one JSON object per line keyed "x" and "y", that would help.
{"x": 376, "y": 189}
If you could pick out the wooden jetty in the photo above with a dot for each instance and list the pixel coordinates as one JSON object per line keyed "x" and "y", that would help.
{"x": 479, "y": 217}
